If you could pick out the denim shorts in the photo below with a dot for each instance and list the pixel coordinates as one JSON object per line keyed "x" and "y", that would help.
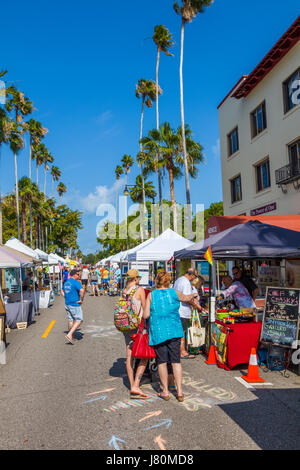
{"x": 74, "y": 313}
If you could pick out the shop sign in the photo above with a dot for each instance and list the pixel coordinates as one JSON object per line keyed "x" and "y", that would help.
{"x": 264, "y": 209}
{"x": 212, "y": 230}
{"x": 281, "y": 316}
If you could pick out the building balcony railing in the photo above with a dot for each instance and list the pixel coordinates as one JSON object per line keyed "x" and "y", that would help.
{"x": 288, "y": 173}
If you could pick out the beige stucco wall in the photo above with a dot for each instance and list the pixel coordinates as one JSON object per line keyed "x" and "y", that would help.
{"x": 281, "y": 130}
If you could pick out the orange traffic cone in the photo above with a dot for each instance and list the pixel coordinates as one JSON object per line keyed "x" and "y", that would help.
{"x": 211, "y": 361}
{"x": 253, "y": 373}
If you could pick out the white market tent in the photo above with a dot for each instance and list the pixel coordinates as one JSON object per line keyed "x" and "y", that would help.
{"x": 10, "y": 258}
{"x": 124, "y": 257}
{"x": 42, "y": 255}
{"x": 19, "y": 246}
{"x": 117, "y": 257}
{"x": 162, "y": 248}
{"x": 57, "y": 257}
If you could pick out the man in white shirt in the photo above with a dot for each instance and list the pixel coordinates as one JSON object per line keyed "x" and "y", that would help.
{"x": 184, "y": 285}
{"x": 85, "y": 274}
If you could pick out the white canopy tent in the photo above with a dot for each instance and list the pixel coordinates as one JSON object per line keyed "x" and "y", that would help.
{"x": 19, "y": 246}
{"x": 162, "y": 248}
{"x": 57, "y": 258}
{"x": 124, "y": 257}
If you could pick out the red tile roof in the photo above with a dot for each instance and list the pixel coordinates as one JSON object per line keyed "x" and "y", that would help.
{"x": 281, "y": 48}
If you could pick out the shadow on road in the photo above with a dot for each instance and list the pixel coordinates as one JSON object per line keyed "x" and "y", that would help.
{"x": 271, "y": 420}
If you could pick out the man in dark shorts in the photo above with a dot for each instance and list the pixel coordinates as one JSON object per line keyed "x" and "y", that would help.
{"x": 85, "y": 274}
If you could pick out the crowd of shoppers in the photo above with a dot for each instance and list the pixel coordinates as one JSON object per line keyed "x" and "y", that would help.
{"x": 168, "y": 312}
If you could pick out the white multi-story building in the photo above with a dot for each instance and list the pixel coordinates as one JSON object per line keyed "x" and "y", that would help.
{"x": 260, "y": 134}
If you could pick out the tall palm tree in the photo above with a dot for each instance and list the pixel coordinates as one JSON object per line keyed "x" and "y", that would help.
{"x": 169, "y": 144}
{"x": 5, "y": 130}
{"x": 137, "y": 192}
{"x": 39, "y": 154}
{"x": 188, "y": 11}
{"x": 56, "y": 174}
{"x": 36, "y": 134}
{"x": 48, "y": 159}
{"x": 28, "y": 192}
{"x": 22, "y": 106}
{"x": 127, "y": 163}
{"x": 145, "y": 89}
{"x": 16, "y": 143}
{"x": 163, "y": 40}
{"x": 61, "y": 189}
{"x": 119, "y": 171}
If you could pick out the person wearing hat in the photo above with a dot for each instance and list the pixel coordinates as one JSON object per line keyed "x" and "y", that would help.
{"x": 73, "y": 292}
{"x": 139, "y": 300}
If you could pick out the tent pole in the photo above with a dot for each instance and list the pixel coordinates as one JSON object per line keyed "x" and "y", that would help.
{"x": 22, "y": 300}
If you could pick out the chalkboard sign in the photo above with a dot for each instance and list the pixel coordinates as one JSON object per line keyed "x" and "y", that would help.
{"x": 281, "y": 316}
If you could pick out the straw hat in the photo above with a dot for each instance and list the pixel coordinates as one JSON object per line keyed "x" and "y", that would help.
{"x": 132, "y": 273}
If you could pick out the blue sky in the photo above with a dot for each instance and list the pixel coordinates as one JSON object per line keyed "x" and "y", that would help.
{"x": 80, "y": 61}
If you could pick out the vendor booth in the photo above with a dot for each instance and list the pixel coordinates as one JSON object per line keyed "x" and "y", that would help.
{"x": 20, "y": 306}
{"x": 234, "y": 331}
{"x": 46, "y": 294}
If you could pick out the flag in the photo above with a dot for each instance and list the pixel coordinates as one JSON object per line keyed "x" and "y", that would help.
{"x": 208, "y": 256}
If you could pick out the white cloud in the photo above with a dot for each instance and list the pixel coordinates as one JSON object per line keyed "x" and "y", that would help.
{"x": 101, "y": 195}
{"x": 104, "y": 117}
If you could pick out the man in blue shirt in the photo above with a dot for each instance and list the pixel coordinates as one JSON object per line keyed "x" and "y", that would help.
{"x": 73, "y": 292}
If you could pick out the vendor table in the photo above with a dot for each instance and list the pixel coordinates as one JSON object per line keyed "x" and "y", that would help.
{"x": 14, "y": 313}
{"x": 241, "y": 338}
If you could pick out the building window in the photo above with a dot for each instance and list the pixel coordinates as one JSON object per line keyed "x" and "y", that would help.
{"x": 294, "y": 154}
{"x": 236, "y": 189}
{"x": 233, "y": 142}
{"x": 263, "y": 179}
{"x": 258, "y": 120}
{"x": 291, "y": 91}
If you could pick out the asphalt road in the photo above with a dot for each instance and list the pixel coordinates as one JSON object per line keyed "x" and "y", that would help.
{"x": 58, "y": 396}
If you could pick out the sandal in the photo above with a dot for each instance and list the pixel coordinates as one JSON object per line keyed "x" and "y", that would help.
{"x": 180, "y": 398}
{"x": 138, "y": 396}
{"x": 164, "y": 397}
{"x": 188, "y": 356}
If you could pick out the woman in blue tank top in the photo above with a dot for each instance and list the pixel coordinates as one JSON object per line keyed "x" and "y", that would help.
{"x": 165, "y": 330}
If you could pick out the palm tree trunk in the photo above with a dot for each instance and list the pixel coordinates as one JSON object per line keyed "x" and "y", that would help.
{"x": 1, "y": 223}
{"x": 37, "y": 174}
{"x": 172, "y": 193}
{"x": 157, "y": 127}
{"x": 45, "y": 183}
{"x": 143, "y": 181}
{"x": 30, "y": 216}
{"x": 30, "y": 157}
{"x": 17, "y": 196}
{"x": 24, "y": 234}
{"x": 1, "y": 229}
{"x": 52, "y": 187}
{"x": 186, "y": 171}
{"x": 36, "y": 220}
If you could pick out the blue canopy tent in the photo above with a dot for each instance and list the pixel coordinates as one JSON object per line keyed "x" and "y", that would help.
{"x": 247, "y": 241}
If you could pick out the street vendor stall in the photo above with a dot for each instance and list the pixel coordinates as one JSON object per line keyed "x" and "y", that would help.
{"x": 235, "y": 331}
{"x": 19, "y": 307}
